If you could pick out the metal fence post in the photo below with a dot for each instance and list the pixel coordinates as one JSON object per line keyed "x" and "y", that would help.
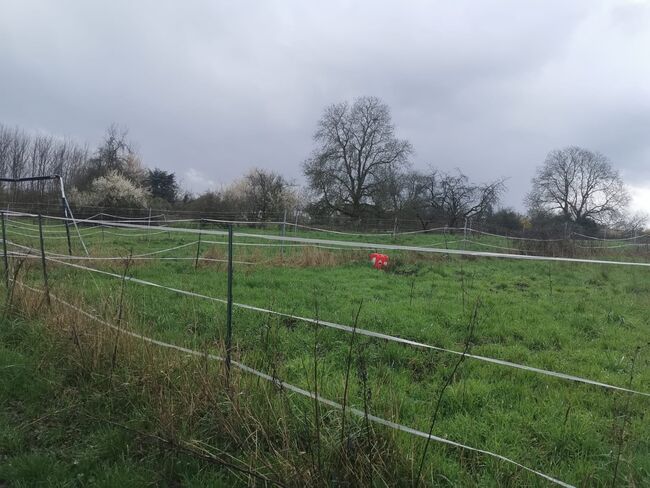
{"x": 4, "y": 250}
{"x": 198, "y": 246}
{"x": 43, "y": 260}
{"x": 67, "y": 228}
{"x": 284, "y": 230}
{"x": 465, "y": 234}
{"x": 149, "y": 226}
{"x": 169, "y": 232}
{"x": 229, "y": 306}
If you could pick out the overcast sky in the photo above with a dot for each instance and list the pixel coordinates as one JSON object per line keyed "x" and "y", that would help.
{"x": 211, "y": 88}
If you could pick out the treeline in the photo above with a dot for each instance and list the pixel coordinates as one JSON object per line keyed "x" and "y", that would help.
{"x": 358, "y": 175}
{"x": 23, "y": 155}
{"x": 112, "y": 175}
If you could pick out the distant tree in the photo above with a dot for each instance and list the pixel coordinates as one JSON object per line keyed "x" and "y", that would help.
{"x": 399, "y": 192}
{"x": 507, "y": 218}
{"x": 209, "y": 201}
{"x": 356, "y": 144}
{"x": 23, "y": 154}
{"x": 259, "y": 195}
{"x": 18, "y": 153}
{"x": 5, "y": 143}
{"x": 162, "y": 184}
{"x": 635, "y": 223}
{"x": 266, "y": 194}
{"x": 580, "y": 185}
{"x": 115, "y": 154}
{"x": 454, "y": 198}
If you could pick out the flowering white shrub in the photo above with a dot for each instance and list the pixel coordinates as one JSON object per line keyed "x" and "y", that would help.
{"x": 112, "y": 190}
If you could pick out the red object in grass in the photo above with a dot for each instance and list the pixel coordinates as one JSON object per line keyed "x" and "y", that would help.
{"x": 379, "y": 261}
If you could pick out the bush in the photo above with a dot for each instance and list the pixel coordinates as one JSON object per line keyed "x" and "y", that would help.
{"x": 112, "y": 190}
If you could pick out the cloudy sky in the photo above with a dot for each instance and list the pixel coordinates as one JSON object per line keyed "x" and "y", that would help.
{"x": 211, "y": 88}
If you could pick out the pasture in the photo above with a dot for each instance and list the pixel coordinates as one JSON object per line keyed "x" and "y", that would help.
{"x": 587, "y": 320}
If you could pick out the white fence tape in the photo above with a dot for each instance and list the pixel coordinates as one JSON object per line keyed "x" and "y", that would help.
{"x": 368, "y": 333}
{"x": 377, "y": 246}
{"x": 296, "y": 389}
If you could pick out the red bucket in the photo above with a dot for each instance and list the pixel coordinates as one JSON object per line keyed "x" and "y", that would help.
{"x": 379, "y": 261}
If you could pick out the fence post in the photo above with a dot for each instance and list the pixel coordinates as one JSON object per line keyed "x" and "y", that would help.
{"x": 67, "y": 231}
{"x": 229, "y": 307}
{"x": 4, "y": 250}
{"x": 149, "y": 226}
{"x": 284, "y": 230}
{"x": 465, "y": 234}
{"x": 198, "y": 246}
{"x": 295, "y": 226}
{"x": 395, "y": 228}
{"x": 43, "y": 261}
{"x": 169, "y": 232}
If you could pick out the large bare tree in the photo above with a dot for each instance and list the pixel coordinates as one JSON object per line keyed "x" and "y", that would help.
{"x": 580, "y": 185}
{"x": 356, "y": 145}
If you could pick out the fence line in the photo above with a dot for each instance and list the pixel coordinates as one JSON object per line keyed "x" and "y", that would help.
{"x": 376, "y": 246}
{"x": 160, "y": 251}
{"x": 136, "y": 220}
{"x": 34, "y": 228}
{"x": 133, "y": 258}
{"x": 372, "y": 246}
{"x": 596, "y": 248}
{"x": 36, "y": 236}
{"x": 471, "y": 241}
{"x": 307, "y": 393}
{"x": 367, "y": 333}
{"x": 126, "y": 218}
{"x": 641, "y": 236}
{"x": 256, "y": 244}
{"x": 138, "y": 257}
{"x": 535, "y": 239}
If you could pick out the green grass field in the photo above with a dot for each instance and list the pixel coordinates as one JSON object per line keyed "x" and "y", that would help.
{"x": 581, "y": 319}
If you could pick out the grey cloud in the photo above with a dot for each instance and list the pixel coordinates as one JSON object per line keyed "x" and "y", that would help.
{"x": 209, "y": 89}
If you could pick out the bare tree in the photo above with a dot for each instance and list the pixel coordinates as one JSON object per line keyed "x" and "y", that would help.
{"x": 399, "y": 192}
{"x": 454, "y": 198}
{"x": 18, "y": 150}
{"x": 5, "y": 144}
{"x": 23, "y": 154}
{"x": 41, "y": 159}
{"x": 631, "y": 224}
{"x": 114, "y": 154}
{"x": 355, "y": 144}
{"x": 580, "y": 185}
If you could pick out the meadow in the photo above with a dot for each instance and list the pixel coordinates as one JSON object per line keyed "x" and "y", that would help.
{"x": 583, "y": 319}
